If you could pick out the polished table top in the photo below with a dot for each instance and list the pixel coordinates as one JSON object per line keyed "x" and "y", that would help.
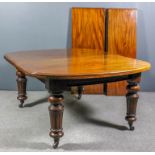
{"x": 74, "y": 63}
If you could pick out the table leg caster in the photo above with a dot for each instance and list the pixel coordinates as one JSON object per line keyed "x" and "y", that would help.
{"x": 132, "y": 99}
{"x": 56, "y": 109}
{"x": 21, "y": 104}
{"x": 21, "y": 83}
{"x": 56, "y": 143}
{"x": 131, "y": 127}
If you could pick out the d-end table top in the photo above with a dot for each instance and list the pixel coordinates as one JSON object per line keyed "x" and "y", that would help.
{"x": 74, "y": 63}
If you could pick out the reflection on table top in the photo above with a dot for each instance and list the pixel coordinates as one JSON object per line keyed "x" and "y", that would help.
{"x": 74, "y": 63}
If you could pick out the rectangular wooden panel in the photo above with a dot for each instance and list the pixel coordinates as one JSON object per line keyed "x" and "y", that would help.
{"x": 121, "y": 40}
{"x": 88, "y": 29}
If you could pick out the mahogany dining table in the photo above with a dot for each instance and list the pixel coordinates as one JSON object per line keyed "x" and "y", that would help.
{"x": 61, "y": 69}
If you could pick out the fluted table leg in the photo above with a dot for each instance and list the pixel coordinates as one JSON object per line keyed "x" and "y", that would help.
{"x": 56, "y": 109}
{"x": 132, "y": 99}
{"x": 21, "y": 85}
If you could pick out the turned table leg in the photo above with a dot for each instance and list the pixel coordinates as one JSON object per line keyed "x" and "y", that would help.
{"x": 21, "y": 84}
{"x": 132, "y": 99}
{"x": 56, "y": 109}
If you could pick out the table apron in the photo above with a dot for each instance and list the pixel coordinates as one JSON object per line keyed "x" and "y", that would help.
{"x": 64, "y": 84}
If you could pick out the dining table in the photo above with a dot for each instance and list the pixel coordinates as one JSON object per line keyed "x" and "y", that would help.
{"x": 61, "y": 69}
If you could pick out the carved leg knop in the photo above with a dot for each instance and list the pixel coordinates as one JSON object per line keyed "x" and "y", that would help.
{"x": 21, "y": 84}
{"x": 132, "y": 99}
{"x": 56, "y": 109}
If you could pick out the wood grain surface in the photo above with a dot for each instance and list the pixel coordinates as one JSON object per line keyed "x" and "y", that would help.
{"x": 121, "y": 40}
{"x": 88, "y": 29}
{"x": 64, "y": 64}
